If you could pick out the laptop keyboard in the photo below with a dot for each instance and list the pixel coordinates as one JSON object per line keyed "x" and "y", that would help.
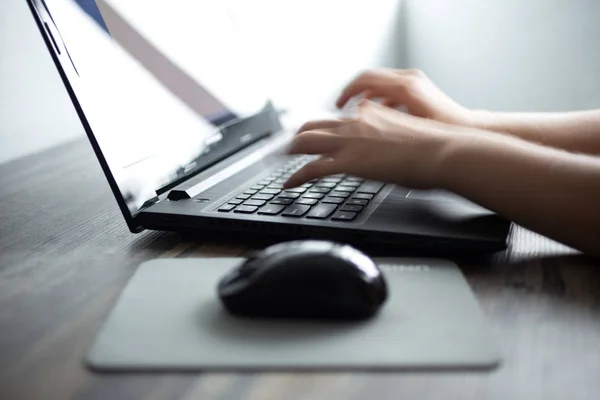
{"x": 337, "y": 198}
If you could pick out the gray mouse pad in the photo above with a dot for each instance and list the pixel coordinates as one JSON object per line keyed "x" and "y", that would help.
{"x": 169, "y": 318}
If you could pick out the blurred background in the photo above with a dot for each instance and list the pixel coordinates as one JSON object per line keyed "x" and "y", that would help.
{"x": 510, "y": 55}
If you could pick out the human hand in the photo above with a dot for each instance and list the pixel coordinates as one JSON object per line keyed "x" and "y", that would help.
{"x": 411, "y": 89}
{"x": 380, "y": 143}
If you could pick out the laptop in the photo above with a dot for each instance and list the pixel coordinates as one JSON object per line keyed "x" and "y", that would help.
{"x": 183, "y": 151}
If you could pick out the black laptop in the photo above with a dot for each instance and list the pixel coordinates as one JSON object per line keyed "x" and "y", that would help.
{"x": 216, "y": 169}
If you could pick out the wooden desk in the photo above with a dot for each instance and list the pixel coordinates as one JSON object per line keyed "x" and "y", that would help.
{"x": 65, "y": 255}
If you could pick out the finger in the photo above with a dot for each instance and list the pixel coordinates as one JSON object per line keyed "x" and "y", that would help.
{"x": 357, "y": 86}
{"x": 367, "y": 104}
{"x": 410, "y": 72}
{"x": 315, "y": 142}
{"x": 371, "y": 95}
{"x": 387, "y": 102}
{"x": 324, "y": 124}
{"x": 368, "y": 94}
{"x": 313, "y": 170}
{"x": 370, "y": 111}
{"x": 376, "y": 83}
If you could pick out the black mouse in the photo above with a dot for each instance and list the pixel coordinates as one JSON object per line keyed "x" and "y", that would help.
{"x": 305, "y": 280}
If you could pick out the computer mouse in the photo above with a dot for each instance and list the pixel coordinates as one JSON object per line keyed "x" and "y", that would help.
{"x": 310, "y": 279}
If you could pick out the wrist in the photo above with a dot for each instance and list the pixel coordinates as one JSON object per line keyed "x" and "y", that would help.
{"x": 444, "y": 162}
{"x": 466, "y": 155}
{"x": 444, "y": 154}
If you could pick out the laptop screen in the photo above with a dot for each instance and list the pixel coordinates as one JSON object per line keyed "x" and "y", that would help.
{"x": 149, "y": 136}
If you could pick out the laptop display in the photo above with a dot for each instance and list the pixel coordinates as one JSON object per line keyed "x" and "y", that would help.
{"x": 149, "y": 138}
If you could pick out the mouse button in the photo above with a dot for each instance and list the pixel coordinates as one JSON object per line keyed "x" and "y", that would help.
{"x": 233, "y": 284}
{"x": 316, "y": 245}
{"x": 253, "y": 260}
{"x": 359, "y": 259}
{"x": 277, "y": 248}
{"x": 230, "y": 278}
{"x": 299, "y": 246}
{"x": 248, "y": 267}
{"x": 238, "y": 276}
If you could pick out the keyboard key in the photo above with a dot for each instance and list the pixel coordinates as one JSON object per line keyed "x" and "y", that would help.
{"x": 296, "y": 210}
{"x": 288, "y": 195}
{"x": 366, "y": 196}
{"x": 351, "y": 183}
{"x": 243, "y": 196}
{"x": 344, "y": 216}
{"x": 284, "y": 201}
{"x": 276, "y": 186}
{"x": 313, "y": 196}
{"x": 351, "y": 208}
{"x": 245, "y": 209}
{"x": 236, "y": 201}
{"x": 250, "y": 191}
{"x": 331, "y": 180}
{"x": 266, "y": 197}
{"x": 329, "y": 185}
{"x": 354, "y": 179}
{"x": 257, "y": 187}
{"x": 319, "y": 190}
{"x": 321, "y": 211}
{"x": 343, "y": 195}
{"x": 333, "y": 200}
{"x": 271, "y": 209}
{"x": 308, "y": 202}
{"x": 357, "y": 202}
{"x": 270, "y": 191}
{"x": 345, "y": 189}
{"x": 227, "y": 207}
{"x": 257, "y": 203}
{"x": 370, "y": 187}
{"x": 265, "y": 182}
{"x": 296, "y": 190}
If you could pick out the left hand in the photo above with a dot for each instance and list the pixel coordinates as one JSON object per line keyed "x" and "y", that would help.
{"x": 380, "y": 144}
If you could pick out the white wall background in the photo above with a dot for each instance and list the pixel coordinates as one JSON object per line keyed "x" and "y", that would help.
{"x": 495, "y": 54}
{"x": 35, "y": 110}
{"x": 508, "y": 54}
{"x": 316, "y": 46}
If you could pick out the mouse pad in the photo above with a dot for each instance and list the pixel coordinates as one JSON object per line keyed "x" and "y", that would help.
{"x": 170, "y": 318}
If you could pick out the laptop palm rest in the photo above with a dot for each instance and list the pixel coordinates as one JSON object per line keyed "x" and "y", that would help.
{"x": 168, "y": 318}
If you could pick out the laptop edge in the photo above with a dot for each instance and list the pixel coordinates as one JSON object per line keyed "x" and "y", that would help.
{"x": 191, "y": 205}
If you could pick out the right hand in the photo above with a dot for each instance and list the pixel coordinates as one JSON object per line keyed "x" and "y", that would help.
{"x": 411, "y": 89}
{"x": 380, "y": 143}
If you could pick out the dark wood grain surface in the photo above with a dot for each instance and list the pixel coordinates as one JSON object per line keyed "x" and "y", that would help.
{"x": 65, "y": 255}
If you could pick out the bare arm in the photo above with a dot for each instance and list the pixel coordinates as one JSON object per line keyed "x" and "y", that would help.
{"x": 572, "y": 131}
{"x": 549, "y": 191}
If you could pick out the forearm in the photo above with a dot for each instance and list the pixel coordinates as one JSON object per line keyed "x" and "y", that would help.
{"x": 548, "y": 191}
{"x": 572, "y": 131}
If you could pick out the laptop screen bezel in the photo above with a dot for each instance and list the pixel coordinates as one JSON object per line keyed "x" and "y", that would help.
{"x": 263, "y": 123}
